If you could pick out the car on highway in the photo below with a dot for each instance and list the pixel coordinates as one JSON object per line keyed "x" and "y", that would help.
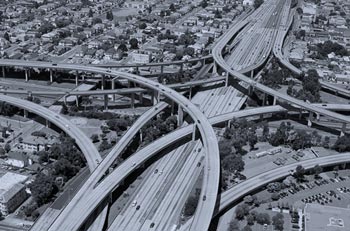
{"x": 134, "y": 203}
{"x": 54, "y": 64}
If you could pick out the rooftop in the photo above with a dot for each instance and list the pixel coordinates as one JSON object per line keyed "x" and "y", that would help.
{"x": 10, "y": 184}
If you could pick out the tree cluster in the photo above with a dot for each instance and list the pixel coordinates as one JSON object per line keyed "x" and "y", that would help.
{"x": 158, "y": 127}
{"x": 342, "y": 144}
{"x": 298, "y": 139}
{"x": 278, "y": 221}
{"x": 276, "y": 75}
{"x": 327, "y": 47}
{"x": 311, "y": 87}
{"x": 177, "y": 77}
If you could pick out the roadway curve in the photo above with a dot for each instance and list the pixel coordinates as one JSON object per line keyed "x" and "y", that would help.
{"x": 277, "y": 51}
{"x": 90, "y": 152}
{"x": 138, "y": 158}
{"x": 239, "y": 191}
{"x": 205, "y": 209}
{"x": 217, "y": 54}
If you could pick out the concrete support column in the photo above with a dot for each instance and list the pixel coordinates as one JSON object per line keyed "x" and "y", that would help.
{"x": 132, "y": 100}
{"x": 180, "y": 116}
{"x": 215, "y": 68}
{"x": 194, "y": 132}
{"x": 264, "y": 99}
{"x": 77, "y": 101}
{"x": 76, "y": 79}
{"x": 190, "y": 93}
{"x": 226, "y": 79}
{"x": 105, "y": 103}
{"x": 65, "y": 99}
{"x": 141, "y": 98}
{"x": 300, "y": 114}
{"x": 47, "y": 123}
{"x": 317, "y": 116}
{"x": 113, "y": 87}
{"x": 252, "y": 74}
{"x": 203, "y": 62}
{"x": 141, "y": 137}
{"x": 83, "y": 78}
{"x": 181, "y": 67}
{"x": 3, "y": 72}
{"x": 309, "y": 120}
{"x": 51, "y": 76}
{"x": 156, "y": 97}
{"x": 26, "y": 75}
{"x": 25, "y": 113}
{"x": 250, "y": 90}
{"x": 343, "y": 129}
{"x": 274, "y": 100}
{"x": 172, "y": 107}
{"x": 103, "y": 83}
{"x": 161, "y": 69}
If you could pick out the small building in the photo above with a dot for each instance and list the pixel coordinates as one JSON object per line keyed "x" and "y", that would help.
{"x": 326, "y": 218}
{"x": 18, "y": 159}
{"x": 12, "y": 192}
{"x": 141, "y": 57}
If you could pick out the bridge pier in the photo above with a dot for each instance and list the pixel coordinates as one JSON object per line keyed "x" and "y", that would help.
{"x": 47, "y": 123}
{"x": 155, "y": 97}
{"x": 172, "y": 107}
{"x": 161, "y": 69}
{"x": 264, "y": 99}
{"x": 300, "y": 113}
{"x": 132, "y": 100}
{"x": 226, "y": 79}
{"x": 51, "y": 76}
{"x": 3, "y": 71}
{"x": 77, "y": 101}
{"x": 181, "y": 67}
{"x": 190, "y": 93}
{"x": 215, "y": 68}
{"x": 103, "y": 82}
{"x": 141, "y": 137}
{"x": 26, "y": 75}
{"x": 76, "y": 79}
{"x": 274, "y": 100}
{"x": 309, "y": 120}
{"x": 105, "y": 102}
{"x": 141, "y": 98}
{"x": 65, "y": 99}
{"x": 317, "y": 116}
{"x": 252, "y": 74}
{"x": 180, "y": 115}
{"x": 343, "y": 129}
{"x": 25, "y": 113}
{"x": 113, "y": 87}
{"x": 194, "y": 131}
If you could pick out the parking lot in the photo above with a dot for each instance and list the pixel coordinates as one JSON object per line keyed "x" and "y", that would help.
{"x": 331, "y": 191}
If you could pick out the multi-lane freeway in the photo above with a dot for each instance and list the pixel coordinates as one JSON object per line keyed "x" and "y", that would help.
{"x": 73, "y": 220}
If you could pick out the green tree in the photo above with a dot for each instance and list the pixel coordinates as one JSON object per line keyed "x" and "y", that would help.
{"x": 263, "y": 218}
{"x": 43, "y": 188}
{"x": 172, "y": 7}
{"x": 7, "y": 147}
{"x": 91, "y": 13}
{"x": 134, "y": 44}
{"x": 299, "y": 172}
{"x": 258, "y": 3}
{"x": 190, "y": 206}
{"x": 234, "y": 226}
{"x": 278, "y": 221}
{"x": 109, "y": 15}
{"x": 204, "y": 4}
{"x": 142, "y": 26}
